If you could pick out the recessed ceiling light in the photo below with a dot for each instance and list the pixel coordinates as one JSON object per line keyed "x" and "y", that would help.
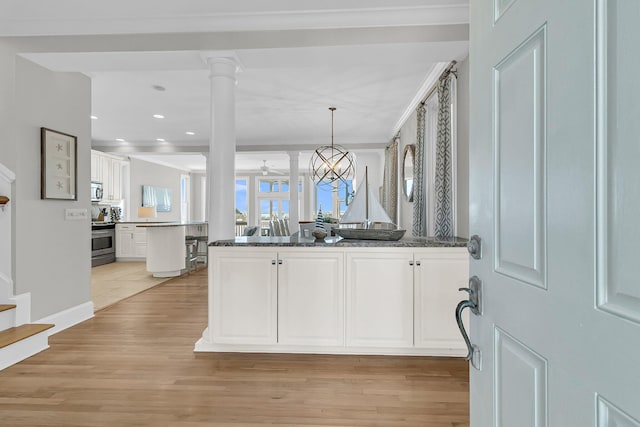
{"x": 158, "y": 116}
{"x": 94, "y": 117}
{"x": 159, "y": 88}
{"x": 160, "y": 139}
{"x": 120, "y": 140}
{"x": 190, "y": 133}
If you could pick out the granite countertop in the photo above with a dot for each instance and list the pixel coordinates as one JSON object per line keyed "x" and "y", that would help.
{"x": 169, "y": 224}
{"x": 409, "y": 242}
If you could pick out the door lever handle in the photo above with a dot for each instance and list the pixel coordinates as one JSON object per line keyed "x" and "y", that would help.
{"x": 473, "y": 303}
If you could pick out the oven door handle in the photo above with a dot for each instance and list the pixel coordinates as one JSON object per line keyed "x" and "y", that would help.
{"x": 96, "y": 232}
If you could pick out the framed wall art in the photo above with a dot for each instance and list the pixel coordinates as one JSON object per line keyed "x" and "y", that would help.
{"x": 59, "y": 165}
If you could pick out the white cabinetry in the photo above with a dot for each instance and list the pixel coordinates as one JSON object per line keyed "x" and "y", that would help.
{"x": 379, "y": 298}
{"x": 439, "y": 273}
{"x": 244, "y": 300}
{"x": 95, "y": 166}
{"x": 108, "y": 170}
{"x": 310, "y": 305}
{"x": 268, "y": 297}
{"x": 131, "y": 242}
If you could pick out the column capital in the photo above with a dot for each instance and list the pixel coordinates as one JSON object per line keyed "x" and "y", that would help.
{"x": 224, "y": 58}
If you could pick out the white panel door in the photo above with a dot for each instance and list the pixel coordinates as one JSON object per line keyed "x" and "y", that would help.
{"x": 379, "y": 298}
{"x": 555, "y": 196}
{"x": 243, "y": 297}
{"x": 310, "y": 297}
{"x": 439, "y": 273}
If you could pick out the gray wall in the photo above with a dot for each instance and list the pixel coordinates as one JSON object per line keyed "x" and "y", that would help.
{"x": 408, "y": 135}
{"x": 52, "y": 256}
{"x": 146, "y": 173}
{"x": 463, "y": 148}
{"x": 7, "y": 106}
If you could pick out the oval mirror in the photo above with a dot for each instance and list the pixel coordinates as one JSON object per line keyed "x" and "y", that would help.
{"x": 408, "y": 161}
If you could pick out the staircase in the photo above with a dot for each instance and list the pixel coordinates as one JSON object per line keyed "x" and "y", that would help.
{"x": 19, "y": 342}
{"x": 18, "y": 338}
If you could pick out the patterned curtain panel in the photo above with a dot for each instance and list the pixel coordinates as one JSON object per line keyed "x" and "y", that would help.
{"x": 390, "y": 181}
{"x": 419, "y": 193}
{"x": 443, "y": 178}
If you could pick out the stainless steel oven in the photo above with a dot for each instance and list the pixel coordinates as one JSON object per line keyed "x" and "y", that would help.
{"x": 103, "y": 243}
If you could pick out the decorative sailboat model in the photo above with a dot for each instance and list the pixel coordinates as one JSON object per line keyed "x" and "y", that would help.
{"x": 371, "y": 218}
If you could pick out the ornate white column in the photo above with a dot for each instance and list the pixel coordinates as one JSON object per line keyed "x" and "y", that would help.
{"x": 222, "y": 145}
{"x": 294, "y": 195}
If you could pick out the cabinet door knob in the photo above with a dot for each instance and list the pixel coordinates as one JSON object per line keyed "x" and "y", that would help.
{"x": 279, "y": 262}
{"x": 410, "y": 262}
{"x": 273, "y": 262}
{"x": 418, "y": 263}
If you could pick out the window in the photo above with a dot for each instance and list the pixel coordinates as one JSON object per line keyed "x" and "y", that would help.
{"x": 241, "y": 200}
{"x": 334, "y": 199}
{"x": 185, "y": 195}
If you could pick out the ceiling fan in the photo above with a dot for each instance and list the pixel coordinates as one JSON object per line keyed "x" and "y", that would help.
{"x": 266, "y": 169}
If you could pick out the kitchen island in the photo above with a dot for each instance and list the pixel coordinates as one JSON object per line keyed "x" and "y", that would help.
{"x": 166, "y": 250}
{"x": 337, "y": 296}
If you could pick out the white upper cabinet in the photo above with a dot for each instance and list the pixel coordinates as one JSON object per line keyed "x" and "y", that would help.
{"x": 108, "y": 170}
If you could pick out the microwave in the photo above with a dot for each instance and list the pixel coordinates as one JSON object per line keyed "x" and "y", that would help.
{"x": 96, "y": 191}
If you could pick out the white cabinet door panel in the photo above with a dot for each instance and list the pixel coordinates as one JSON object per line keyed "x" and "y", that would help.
{"x": 438, "y": 276}
{"x": 311, "y": 298}
{"x": 379, "y": 299}
{"x": 244, "y": 298}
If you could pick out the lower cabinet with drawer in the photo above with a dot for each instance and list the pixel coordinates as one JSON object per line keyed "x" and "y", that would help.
{"x": 335, "y": 300}
{"x": 131, "y": 242}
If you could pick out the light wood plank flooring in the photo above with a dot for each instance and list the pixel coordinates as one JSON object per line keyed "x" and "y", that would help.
{"x": 133, "y": 365}
{"x": 116, "y": 281}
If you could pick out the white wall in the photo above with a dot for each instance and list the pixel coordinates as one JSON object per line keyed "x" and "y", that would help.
{"x": 197, "y": 202}
{"x": 146, "y": 173}
{"x": 52, "y": 255}
{"x": 408, "y": 135}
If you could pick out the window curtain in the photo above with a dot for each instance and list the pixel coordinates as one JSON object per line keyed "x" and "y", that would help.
{"x": 390, "y": 181}
{"x": 443, "y": 182}
{"x": 419, "y": 193}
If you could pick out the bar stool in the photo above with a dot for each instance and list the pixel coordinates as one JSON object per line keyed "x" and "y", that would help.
{"x": 197, "y": 252}
{"x": 191, "y": 259}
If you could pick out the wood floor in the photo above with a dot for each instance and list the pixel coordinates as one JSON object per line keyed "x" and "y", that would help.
{"x": 133, "y": 365}
{"x": 116, "y": 281}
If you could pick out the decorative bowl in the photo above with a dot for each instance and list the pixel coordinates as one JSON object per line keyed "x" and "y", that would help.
{"x": 319, "y": 234}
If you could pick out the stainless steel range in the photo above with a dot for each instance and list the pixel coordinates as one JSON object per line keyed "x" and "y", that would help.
{"x": 103, "y": 243}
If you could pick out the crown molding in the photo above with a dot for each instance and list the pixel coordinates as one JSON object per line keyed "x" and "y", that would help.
{"x": 428, "y": 83}
{"x": 84, "y": 24}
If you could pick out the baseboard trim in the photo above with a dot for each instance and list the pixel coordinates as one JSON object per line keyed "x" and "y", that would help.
{"x": 202, "y": 346}
{"x": 69, "y": 317}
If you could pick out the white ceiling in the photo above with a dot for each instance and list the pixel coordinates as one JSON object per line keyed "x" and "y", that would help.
{"x": 367, "y": 58}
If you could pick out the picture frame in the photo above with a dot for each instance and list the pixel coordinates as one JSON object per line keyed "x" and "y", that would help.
{"x": 59, "y": 165}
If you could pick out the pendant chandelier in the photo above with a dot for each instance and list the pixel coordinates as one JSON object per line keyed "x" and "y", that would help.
{"x": 331, "y": 163}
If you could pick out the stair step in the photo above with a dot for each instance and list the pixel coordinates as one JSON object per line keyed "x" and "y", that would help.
{"x": 5, "y": 307}
{"x": 18, "y": 333}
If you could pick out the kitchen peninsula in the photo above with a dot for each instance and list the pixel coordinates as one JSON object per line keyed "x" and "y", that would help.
{"x": 338, "y": 296}
{"x": 166, "y": 250}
